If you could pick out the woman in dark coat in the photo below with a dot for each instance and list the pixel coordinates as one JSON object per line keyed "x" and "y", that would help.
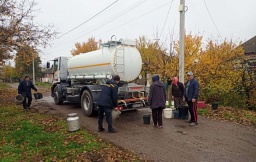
{"x": 156, "y": 100}
{"x": 177, "y": 92}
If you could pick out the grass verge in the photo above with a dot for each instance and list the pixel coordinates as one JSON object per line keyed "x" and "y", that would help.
{"x": 4, "y": 85}
{"x": 30, "y": 136}
{"x": 43, "y": 84}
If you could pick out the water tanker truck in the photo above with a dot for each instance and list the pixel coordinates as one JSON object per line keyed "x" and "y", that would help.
{"x": 79, "y": 79}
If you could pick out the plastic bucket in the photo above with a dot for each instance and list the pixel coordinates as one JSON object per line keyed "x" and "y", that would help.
{"x": 167, "y": 103}
{"x": 183, "y": 112}
{"x": 38, "y": 95}
{"x": 201, "y": 104}
{"x": 176, "y": 114}
{"x": 115, "y": 114}
{"x": 185, "y": 117}
{"x": 146, "y": 119}
{"x": 168, "y": 113}
{"x": 172, "y": 102}
{"x": 19, "y": 99}
{"x": 214, "y": 106}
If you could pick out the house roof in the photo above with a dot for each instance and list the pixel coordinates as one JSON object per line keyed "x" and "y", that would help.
{"x": 250, "y": 46}
{"x": 47, "y": 71}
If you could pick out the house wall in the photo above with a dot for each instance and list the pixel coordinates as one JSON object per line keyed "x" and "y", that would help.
{"x": 47, "y": 78}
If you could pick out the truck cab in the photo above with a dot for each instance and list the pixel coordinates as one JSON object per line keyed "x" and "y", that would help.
{"x": 59, "y": 69}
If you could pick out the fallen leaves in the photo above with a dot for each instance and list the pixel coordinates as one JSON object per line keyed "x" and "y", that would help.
{"x": 30, "y": 136}
{"x": 235, "y": 115}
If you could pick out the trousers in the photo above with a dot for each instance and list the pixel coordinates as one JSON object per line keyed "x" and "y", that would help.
{"x": 157, "y": 116}
{"x": 25, "y": 103}
{"x": 192, "y": 106}
{"x": 108, "y": 114}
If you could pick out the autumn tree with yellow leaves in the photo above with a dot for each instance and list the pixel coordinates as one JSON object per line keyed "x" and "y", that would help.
{"x": 155, "y": 59}
{"x": 7, "y": 73}
{"x": 84, "y": 47}
{"x": 214, "y": 65}
{"x": 24, "y": 62}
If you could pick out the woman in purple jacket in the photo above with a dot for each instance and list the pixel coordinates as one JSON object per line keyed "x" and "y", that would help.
{"x": 156, "y": 100}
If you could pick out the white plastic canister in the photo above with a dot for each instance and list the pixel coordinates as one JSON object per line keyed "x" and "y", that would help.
{"x": 73, "y": 122}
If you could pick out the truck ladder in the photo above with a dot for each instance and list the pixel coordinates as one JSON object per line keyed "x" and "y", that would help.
{"x": 120, "y": 61}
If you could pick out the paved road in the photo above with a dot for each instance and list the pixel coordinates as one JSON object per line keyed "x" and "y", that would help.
{"x": 209, "y": 141}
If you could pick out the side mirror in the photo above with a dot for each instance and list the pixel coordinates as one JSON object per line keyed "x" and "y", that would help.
{"x": 48, "y": 65}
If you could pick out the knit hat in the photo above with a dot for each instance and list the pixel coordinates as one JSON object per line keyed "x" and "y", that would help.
{"x": 155, "y": 78}
{"x": 116, "y": 78}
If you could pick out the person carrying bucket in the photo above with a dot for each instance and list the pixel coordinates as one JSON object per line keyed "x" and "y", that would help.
{"x": 177, "y": 92}
{"x": 156, "y": 100}
{"x": 24, "y": 89}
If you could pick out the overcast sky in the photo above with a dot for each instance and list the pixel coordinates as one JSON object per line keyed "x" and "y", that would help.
{"x": 234, "y": 19}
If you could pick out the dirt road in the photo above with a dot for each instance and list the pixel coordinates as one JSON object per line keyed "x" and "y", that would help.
{"x": 209, "y": 141}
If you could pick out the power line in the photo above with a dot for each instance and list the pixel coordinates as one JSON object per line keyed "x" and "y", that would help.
{"x": 133, "y": 19}
{"x": 212, "y": 19}
{"x": 120, "y": 25}
{"x": 106, "y": 22}
{"x": 89, "y": 19}
{"x": 166, "y": 18}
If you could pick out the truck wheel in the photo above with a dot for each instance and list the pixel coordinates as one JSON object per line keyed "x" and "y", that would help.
{"x": 57, "y": 97}
{"x": 87, "y": 103}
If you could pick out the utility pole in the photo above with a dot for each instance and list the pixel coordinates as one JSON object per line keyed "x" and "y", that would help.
{"x": 34, "y": 70}
{"x": 182, "y": 35}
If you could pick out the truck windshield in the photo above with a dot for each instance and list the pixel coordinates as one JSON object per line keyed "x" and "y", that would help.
{"x": 55, "y": 66}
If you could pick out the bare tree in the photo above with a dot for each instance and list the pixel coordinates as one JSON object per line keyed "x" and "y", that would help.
{"x": 17, "y": 27}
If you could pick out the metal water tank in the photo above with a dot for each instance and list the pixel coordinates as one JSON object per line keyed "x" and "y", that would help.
{"x": 114, "y": 58}
{"x": 73, "y": 122}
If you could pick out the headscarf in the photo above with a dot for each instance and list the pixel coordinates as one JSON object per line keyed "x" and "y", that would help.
{"x": 175, "y": 81}
{"x": 155, "y": 78}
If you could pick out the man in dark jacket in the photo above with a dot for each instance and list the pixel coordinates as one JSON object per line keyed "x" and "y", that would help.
{"x": 156, "y": 100}
{"x": 25, "y": 90}
{"x": 191, "y": 96}
{"x": 106, "y": 102}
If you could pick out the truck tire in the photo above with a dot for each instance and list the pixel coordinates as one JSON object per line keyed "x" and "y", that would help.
{"x": 87, "y": 103}
{"x": 57, "y": 97}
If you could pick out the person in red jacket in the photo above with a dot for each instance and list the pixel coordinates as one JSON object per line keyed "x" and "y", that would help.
{"x": 156, "y": 100}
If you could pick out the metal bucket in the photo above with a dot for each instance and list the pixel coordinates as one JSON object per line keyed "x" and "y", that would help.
{"x": 19, "y": 99}
{"x": 73, "y": 122}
